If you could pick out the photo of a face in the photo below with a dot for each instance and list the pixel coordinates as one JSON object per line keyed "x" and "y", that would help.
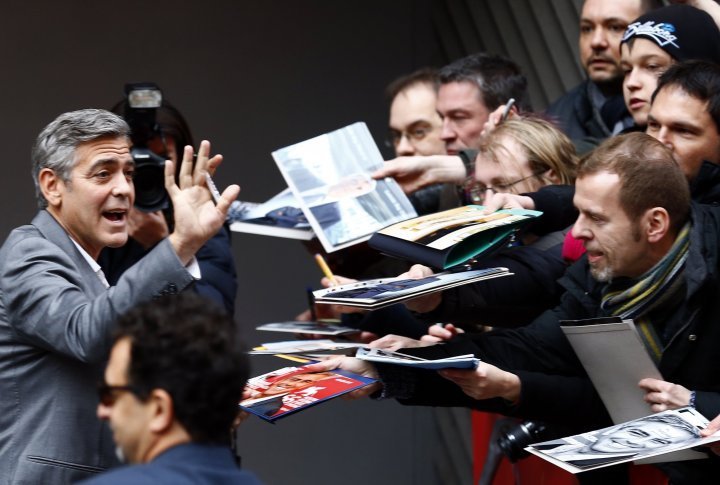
{"x": 644, "y": 435}
{"x": 295, "y": 382}
{"x": 628, "y": 441}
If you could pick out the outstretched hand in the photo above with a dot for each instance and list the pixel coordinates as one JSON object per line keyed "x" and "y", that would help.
{"x": 485, "y": 382}
{"x": 414, "y": 173}
{"x": 350, "y": 364}
{"x": 502, "y": 200}
{"x": 197, "y": 216}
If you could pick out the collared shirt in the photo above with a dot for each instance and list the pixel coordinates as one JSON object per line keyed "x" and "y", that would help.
{"x": 192, "y": 267}
{"x": 93, "y": 264}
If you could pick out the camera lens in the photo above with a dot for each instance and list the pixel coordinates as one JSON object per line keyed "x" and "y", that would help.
{"x": 149, "y": 181}
{"x": 514, "y": 439}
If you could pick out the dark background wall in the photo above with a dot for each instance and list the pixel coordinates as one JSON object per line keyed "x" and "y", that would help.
{"x": 254, "y": 76}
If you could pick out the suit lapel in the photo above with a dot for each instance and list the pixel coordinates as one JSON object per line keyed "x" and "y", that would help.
{"x": 54, "y": 232}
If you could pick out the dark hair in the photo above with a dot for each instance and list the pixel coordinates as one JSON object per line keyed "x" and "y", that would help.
{"x": 170, "y": 122}
{"x": 498, "y": 78}
{"x": 426, "y": 76}
{"x": 649, "y": 175}
{"x": 698, "y": 79}
{"x": 187, "y": 346}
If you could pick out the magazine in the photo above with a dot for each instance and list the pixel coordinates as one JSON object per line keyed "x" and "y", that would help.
{"x": 306, "y": 347}
{"x": 401, "y": 358}
{"x": 285, "y": 391}
{"x": 649, "y": 436}
{"x": 448, "y": 238}
{"x": 330, "y": 177}
{"x": 318, "y": 328}
{"x": 379, "y": 293}
{"x": 279, "y": 216}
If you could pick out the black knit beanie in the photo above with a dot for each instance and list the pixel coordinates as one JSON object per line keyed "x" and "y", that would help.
{"x": 682, "y": 31}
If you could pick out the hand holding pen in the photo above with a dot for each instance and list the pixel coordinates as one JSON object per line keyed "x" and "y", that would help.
{"x": 326, "y": 269}
{"x": 502, "y": 113}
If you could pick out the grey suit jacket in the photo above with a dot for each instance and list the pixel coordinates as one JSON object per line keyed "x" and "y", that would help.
{"x": 56, "y": 320}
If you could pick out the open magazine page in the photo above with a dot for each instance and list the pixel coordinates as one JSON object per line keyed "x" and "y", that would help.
{"x": 276, "y": 394}
{"x": 307, "y": 347}
{"x": 444, "y": 229}
{"x": 330, "y": 176}
{"x": 374, "y": 294}
{"x": 399, "y": 358}
{"x": 649, "y": 436}
{"x": 280, "y": 216}
{"x": 302, "y": 327}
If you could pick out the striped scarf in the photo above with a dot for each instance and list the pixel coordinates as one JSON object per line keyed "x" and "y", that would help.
{"x": 662, "y": 285}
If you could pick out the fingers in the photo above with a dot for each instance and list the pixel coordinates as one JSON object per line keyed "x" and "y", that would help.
{"x": 363, "y": 392}
{"x": 367, "y": 337}
{"x": 325, "y": 365}
{"x": 170, "y": 184}
{"x": 650, "y": 384}
{"x": 418, "y": 271}
{"x": 430, "y": 338}
{"x": 439, "y": 332}
{"x": 712, "y": 428}
{"x": 185, "y": 178}
{"x": 227, "y": 197}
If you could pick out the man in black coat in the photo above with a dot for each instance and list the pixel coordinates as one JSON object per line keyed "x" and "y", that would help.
{"x": 650, "y": 258}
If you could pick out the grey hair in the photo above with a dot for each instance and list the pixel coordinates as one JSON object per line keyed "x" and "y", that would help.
{"x": 56, "y": 144}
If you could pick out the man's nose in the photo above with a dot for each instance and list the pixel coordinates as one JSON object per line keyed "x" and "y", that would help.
{"x": 447, "y": 133}
{"x": 404, "y": 147}
{"x": 122, "y": 186}
{"x": 599, "y": 39}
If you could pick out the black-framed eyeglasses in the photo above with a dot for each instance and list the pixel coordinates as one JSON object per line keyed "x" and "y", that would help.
{"x": 414, "y": 134}
{"x": 107, "y": 394}
{"x": 475, "y": 192}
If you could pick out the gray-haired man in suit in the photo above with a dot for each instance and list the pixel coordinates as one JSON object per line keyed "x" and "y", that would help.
{"x": 56, "y": 309}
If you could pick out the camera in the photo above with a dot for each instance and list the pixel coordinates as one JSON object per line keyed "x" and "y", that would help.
{"x": 140, "y": 113}
{"x": 513, "y": 439}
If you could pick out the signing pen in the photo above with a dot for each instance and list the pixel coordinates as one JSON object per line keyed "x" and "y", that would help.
{"x": 325, "y": 269}
{"x": 213, "y": 188}
{"x": 508, "y": 107}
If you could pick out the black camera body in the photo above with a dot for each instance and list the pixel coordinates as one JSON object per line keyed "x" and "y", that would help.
{"x": 142, "y": 103}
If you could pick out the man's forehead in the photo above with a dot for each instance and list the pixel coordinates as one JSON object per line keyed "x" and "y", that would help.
{"x": 595, "y": 191}
{"x": 605, "y": 10}
{"x": 111, "y": 148}
{"x": 670, "y": 95}
{"x": 458, "y": 92}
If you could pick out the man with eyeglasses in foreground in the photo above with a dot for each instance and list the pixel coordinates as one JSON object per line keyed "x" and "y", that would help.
{"x": 170, "y": 395}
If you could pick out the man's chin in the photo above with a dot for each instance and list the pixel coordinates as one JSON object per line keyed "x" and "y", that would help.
{"x": 117, "y": 241}
{"x": 602, "y": 274}
{"x": 605, "y": 76}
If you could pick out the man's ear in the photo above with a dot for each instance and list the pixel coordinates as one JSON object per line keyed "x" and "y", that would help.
{"x": 51, "y": 186}
{"x": 656, "y": 224}
{"x": 552, "y": 176}
{"x": 163, "y": 412}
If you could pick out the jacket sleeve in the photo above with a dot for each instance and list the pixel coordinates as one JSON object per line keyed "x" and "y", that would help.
{"x": 217, "y": 266}
{"x": 48, "y": 305}
{"x": 511, "y": 301}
